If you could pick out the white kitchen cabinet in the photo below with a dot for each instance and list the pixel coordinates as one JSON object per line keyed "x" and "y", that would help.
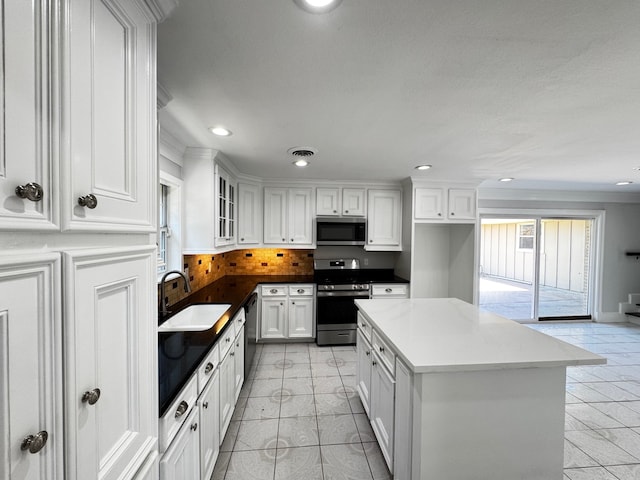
{"x": 273, "y": 317}
{"x": 444, "y": 204}
{"x": 390, "y": 290}
{"x": 225, "y": 207}
{"x": 348, "y": 202}
{"x": 363, "y": 377}
{"x": 24, "y": 133}
{"x": 107, "y": 116}
{"x": 209, "y": 405}
{"x": 30, "y": 368}
{"x": 384, "y": 220}
{"x": 110, "y": 361}
{"x": 227, "y": 390}
{"x": 382, "y": 406}
{"x": 287, "y": 311}
{"x": 287, "y": 216}
{"x": 249, "y": 214}
{"x": 182, "y": 459}
{"x": 300, "y": 317}
{"x": 238, "y": 355}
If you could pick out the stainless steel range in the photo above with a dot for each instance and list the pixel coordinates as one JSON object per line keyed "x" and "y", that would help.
{"x": 339, "y": 282}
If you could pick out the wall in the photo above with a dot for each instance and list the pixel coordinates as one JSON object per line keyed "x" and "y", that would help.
{"x": 367, "y": 259}
{"x": 205, "y": 269}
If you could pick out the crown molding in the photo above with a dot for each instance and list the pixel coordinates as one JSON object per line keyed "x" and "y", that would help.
{"x": 164, "y": 97}
{"x": 170, "y": 147}
{"x": 161, "y": 9}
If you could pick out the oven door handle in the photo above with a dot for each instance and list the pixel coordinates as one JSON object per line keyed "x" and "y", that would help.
{"x": 353, "y": 294}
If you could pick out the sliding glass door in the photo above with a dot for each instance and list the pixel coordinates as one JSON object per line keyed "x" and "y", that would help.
{"x": 536, "y": 267}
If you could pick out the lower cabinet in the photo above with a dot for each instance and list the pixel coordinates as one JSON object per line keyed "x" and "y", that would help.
{"x": 227, "y": 391}
{"x": 30, "y": 368}
{"x": 287, "y": 311}
{"x": 208, "y": 404}
{"x": 238, "y": 356}
{"x": 182, "y": 460}
{"x": 363, "y": 372}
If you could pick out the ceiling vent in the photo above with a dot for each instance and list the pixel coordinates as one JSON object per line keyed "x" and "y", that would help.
{"x": 302, "y": 152}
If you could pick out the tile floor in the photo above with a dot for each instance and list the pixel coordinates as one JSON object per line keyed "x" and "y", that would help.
{"x": 602, "y": 420}
{"x": 299, "y": 416}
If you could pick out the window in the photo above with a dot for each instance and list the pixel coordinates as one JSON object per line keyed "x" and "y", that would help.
{"x": 169, "y": 224}
{"x": 526, "y": 233}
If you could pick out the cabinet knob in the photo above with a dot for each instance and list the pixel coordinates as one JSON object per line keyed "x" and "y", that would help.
{"x": 452, "y": 214}
{"x": 194, "y": 427}
{"x": 238, "y": 344}
{"x": 374, "y": 363}
{"x": 439, "y": 214}
{"x": 208, "y": 368}
{"x": 335, "y": 211}
{"x": 227, "y": 340}
{"x": 281, "y": 303}
{"x": 367, "y": 353}
{"x": 346, "y": 211}
{"x": 232, "y": 353}
{"x": 35, "y": 443}
{"x": 90, "y": 201}
{"x": 381, "y": 349}
{"x": 292, "y": 239}
{"x": 242, "y": 239}
{"x": 182, "y": 408}
{"x": 91, "y": 396}
{"x": 31, "y": 191}
{"x": 205, "y": 404}
{"x": 293, "y": 303}
{"x": 388, "y": 290}
{"x": 300, "y": 290}
{"x": 283, "y": 240}
{"x": 370, "y": 241}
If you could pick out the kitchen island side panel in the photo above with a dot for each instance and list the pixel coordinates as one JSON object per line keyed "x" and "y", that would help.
{"x": 489, "y": 425}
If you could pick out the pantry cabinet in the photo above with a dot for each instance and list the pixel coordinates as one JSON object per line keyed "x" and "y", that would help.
{"x": 107, "y": 116}
{"x": 384, "y": 220}
{"x": 287, "y": 216}
{"x": 30, "y": 368}
{"x": 25, "y": 161}
{"x": 110, "y": 361}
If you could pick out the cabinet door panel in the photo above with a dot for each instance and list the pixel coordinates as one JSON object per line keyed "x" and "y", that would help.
{"x": 462, "y": 204}
{"x": 30, "y": 367}
{"x": 300, "y": 224}
{"x": 275, "y": 215}
{"x": 227, "y": 386}
{"x": 209, "y": 426}
{"x": 300, "y": 317}
{"x": 428, "y": 203}
{"x": 353, "y": 202}
{"x": 182, "y": 460}
{"x": 384, "y": 218}
{"x": 363, "y": 377}
{"x": 382, "y": 408}
{"x": 273, "y": 318}
{"x": 110, "y": 147}
{"x": 24, "y": 155}
{"x": 110, "y": 345}
{"x": 238, "y": 356}
{"x": 249, "y": 215}
{"x": 327, "y": 201}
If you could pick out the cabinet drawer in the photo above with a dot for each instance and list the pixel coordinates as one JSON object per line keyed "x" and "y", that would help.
{"x": 300, "y": 290}
{"x": 395, "y": 290}
{"x": 208, "y": 367}
{"x": 176, "y": 414}
{"x": 387, "y": 356}
{"x": 226, "y": 341}
{"x": 364, "y": 326}
{"x": 273, "y": 290}
{"x": 238, "y": 320}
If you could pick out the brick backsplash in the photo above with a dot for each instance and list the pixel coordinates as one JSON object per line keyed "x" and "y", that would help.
{"x": 207, "y": 268}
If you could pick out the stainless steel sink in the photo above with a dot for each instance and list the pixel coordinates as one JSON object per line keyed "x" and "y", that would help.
{"x": 195, "y": 318}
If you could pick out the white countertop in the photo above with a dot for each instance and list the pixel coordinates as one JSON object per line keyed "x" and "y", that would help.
{"x": 448, "y": 335}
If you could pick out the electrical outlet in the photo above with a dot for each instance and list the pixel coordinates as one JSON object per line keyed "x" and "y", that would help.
{"x": 366, "y": 262}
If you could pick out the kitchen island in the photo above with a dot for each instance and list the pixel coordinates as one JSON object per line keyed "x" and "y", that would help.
{"x": 457, "y": 393}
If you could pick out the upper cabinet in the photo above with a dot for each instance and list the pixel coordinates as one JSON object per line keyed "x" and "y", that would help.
{"x": 384, "y": 220}
{"x": 107, "y": 116}
{"x": 249, "y": 214}
{"x": 27, "y": 193}
{"x": 210, "y": 202}
{"x": 445, "y": 204}
{"x": 287, "y": 216}
{"x": 78, "y": 146}
{"x": 348, "y": 202}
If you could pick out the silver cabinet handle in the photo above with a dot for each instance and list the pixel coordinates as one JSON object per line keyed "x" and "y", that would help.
{"x": 182, "y": 408}
{"x": 374, "y": 363}
{"x": 232, "y": 353}
{"x": 367, "y": 353}
{"x": 31, "y": 191}
{"x": 35, "y": 443}
{"x": 205, "y": 404}
{"x": 273, "y": 290}
{"x": 381, "y": 349}
{"x": 208, "y": 368}
{"x": 300, "y": 290}
{"x": 90, "y": 201}
{"x": 239, "y": 320}
{"x": 194, "y": 427}
{"x": 388, "y": 290}
{"x": 91, "y": 396}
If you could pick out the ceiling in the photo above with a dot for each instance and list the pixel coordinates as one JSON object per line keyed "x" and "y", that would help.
{"x": 545, "y": 91}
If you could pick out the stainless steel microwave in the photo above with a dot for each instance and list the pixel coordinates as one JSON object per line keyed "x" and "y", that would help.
{"x": 340, "y": 231}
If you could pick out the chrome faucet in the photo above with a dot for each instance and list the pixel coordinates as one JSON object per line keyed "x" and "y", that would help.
{"x": 187, "y": 289}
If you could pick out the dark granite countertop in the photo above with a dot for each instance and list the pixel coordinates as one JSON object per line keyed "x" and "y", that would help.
{"x": 180, "y": 353}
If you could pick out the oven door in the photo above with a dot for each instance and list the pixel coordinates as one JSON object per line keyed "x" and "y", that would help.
{"x": 337, "y": 310}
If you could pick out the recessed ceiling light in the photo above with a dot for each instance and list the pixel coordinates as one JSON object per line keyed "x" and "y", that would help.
{"x": 220, "y": 131}
{"x": 506, "y": 179}
{"x": 318, "y": 6}
{"x": 301, "y": 162}
{"x": 626, "y": 182}
{"x": 422, "y": 167}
